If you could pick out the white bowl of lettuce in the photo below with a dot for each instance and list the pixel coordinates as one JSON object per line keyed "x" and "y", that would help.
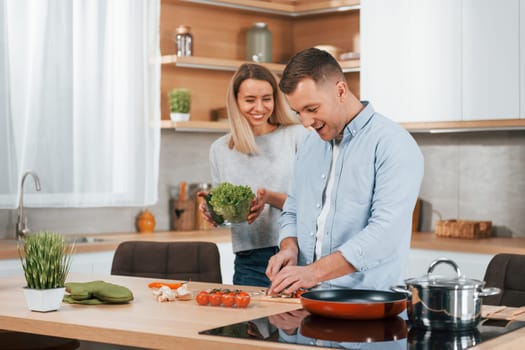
{"x": 232, "y": 202}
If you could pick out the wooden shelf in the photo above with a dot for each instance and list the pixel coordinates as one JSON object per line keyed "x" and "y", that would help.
{"x": 232, "y": 65}
{"x": 420, "y": 127}
{"x": 282, "y": 7}
{"x": 196, "y": 126}
{"x": 465, "y": 126}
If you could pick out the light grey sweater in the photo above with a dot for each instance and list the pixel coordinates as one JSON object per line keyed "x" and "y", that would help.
{"x": 271, "y": 168}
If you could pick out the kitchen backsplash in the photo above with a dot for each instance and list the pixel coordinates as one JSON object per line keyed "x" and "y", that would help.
{"x": 472, "y": 176}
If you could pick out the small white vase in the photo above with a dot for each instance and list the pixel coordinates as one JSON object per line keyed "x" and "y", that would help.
{"x": 179, "y": 117}
{"x": 44, "y": 300}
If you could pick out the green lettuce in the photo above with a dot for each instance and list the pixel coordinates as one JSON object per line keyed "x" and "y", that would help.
{"x": 232, "y": 202}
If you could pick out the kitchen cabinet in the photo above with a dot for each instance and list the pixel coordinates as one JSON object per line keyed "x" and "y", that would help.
{"x": 405, "y": 72}
{"x": 441, "y": 60}
{"x": 522, "y": 62}
{"x": 491, "y": 72}
{"x": 100, "y": 263}
{"x": 472, "y": 265}
{"x": 219, "y": 28}
{"x": 384, "y": 56}
{"x": 97, "y": 262}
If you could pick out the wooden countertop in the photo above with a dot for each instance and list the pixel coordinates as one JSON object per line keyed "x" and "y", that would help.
{"x": 492, "y": 245}
{"x": 143, "y": 323}
{"x": 150, "y": 324}
{"x": 109, "y": 241}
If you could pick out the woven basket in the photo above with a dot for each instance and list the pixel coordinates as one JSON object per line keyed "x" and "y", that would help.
{"x": 464, "y": 229}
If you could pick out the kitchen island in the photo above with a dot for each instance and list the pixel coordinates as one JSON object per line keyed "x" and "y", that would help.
{"x": 147, "y": 323}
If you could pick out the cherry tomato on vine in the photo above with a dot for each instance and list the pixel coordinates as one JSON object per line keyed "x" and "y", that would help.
{"x": 202, "y": 298}
{"x": 242, "y": 299}
{"x": 228, "y": 299}
{"x": 215, "y": 298}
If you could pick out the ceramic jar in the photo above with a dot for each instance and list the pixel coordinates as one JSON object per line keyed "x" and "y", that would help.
{"x": 146, "y": 222}
{"x": 259, "y": 43}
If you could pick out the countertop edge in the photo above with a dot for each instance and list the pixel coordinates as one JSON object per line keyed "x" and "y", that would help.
{"x": 109, "y": 241}
{"x": 420, "y": 240}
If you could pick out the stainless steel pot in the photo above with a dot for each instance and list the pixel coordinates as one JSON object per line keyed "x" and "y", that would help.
{"x": 441, "y": 303}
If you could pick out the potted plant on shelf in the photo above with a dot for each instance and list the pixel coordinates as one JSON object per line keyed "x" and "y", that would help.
{"x": 180, "y": 101}
{"x": 46, "y": 260}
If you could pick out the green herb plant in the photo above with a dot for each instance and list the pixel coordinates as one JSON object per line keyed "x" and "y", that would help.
{"x": 45, "y": 259}
{"x": 180, "y": 100}
{"x": 232, "y": 202}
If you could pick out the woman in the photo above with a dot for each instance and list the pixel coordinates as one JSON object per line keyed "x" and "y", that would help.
{"x": 259, "y": 152}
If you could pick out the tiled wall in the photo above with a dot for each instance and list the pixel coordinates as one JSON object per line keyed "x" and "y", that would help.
{"x": 475, "y": 176}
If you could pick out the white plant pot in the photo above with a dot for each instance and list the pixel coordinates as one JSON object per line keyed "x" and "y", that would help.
{"x": 179, "y": 117}
{"x": 44, "y": 300}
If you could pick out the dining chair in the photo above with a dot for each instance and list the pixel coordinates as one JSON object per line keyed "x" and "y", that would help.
{"x": 25, "y": 341}
{"x": 187, "y": 261}
{"x": 505, "y": 271}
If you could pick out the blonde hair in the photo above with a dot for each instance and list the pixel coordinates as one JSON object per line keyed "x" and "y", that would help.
{"x": 242, "y": 138}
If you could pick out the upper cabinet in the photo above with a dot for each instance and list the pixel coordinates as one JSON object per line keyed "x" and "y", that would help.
{"x": 411, "y": 58}
{"x": 442, "y": 60}
{"x": 219, "y": 44}
{"x": 522, "y": 61}
{"x": 491, "y": 72}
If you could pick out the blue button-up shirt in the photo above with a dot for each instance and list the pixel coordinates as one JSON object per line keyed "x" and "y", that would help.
{"x": 378, "y": 174}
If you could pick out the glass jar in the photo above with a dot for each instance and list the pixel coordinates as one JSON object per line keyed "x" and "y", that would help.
{"x": 184, "y": 41}
{"x": 259, "y": 43}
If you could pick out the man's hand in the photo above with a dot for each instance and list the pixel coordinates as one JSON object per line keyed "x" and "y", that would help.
{"x": 291, "y": 278}
{"x": 288, "y": 278}
{"x": 285, "y": 257}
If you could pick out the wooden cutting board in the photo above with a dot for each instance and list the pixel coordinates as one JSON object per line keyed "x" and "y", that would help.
{"x": 277, "y": 299}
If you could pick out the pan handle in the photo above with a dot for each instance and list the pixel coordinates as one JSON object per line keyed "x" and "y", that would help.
{"x": 401, "y": 289}
{"x": 485, "y": 292}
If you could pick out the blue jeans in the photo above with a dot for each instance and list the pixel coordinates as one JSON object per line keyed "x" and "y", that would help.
{"x": 250, "y": 266}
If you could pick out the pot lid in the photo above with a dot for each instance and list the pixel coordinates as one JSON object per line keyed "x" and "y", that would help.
{"x": 457, "y": 282}
{"x": 446, "y": 282}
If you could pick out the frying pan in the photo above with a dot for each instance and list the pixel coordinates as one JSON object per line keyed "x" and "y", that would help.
{"x": 386, "y": 329}
{"x": 356, "y": 304}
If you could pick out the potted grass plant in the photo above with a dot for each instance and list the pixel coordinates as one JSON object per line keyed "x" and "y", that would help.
{"x": 46, "y": 260}
{"x": 180, "y": 102}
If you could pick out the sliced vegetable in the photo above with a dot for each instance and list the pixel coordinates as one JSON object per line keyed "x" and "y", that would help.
{"x": 157, "y": 285}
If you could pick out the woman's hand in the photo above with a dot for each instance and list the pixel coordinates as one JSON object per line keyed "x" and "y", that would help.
{"x": 203, "y": 208}
{"x": 258, "y": 204}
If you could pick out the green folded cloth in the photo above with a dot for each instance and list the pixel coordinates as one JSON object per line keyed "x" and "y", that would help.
{"x": 96, "y": 292}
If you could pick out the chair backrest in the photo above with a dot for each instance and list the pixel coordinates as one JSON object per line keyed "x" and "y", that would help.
{"x": 187, "y": 261}
{"x": 507, "y": 272}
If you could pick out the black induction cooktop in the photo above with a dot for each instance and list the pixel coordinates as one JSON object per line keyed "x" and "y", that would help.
{"x": 300, "y": 327}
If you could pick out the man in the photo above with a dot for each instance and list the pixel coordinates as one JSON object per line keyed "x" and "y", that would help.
{"x": 347, "y": 220}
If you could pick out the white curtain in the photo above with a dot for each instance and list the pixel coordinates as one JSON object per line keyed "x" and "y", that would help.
{"x": 79, "y": 91}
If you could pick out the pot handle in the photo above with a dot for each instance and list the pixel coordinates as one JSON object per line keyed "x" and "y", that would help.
{"x": 485, "y": 292}
{"x": 436, "y": 262}
{"x": 401, "y": 289}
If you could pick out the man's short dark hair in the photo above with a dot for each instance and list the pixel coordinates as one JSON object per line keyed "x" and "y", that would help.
{"x": 312, "y": 63}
